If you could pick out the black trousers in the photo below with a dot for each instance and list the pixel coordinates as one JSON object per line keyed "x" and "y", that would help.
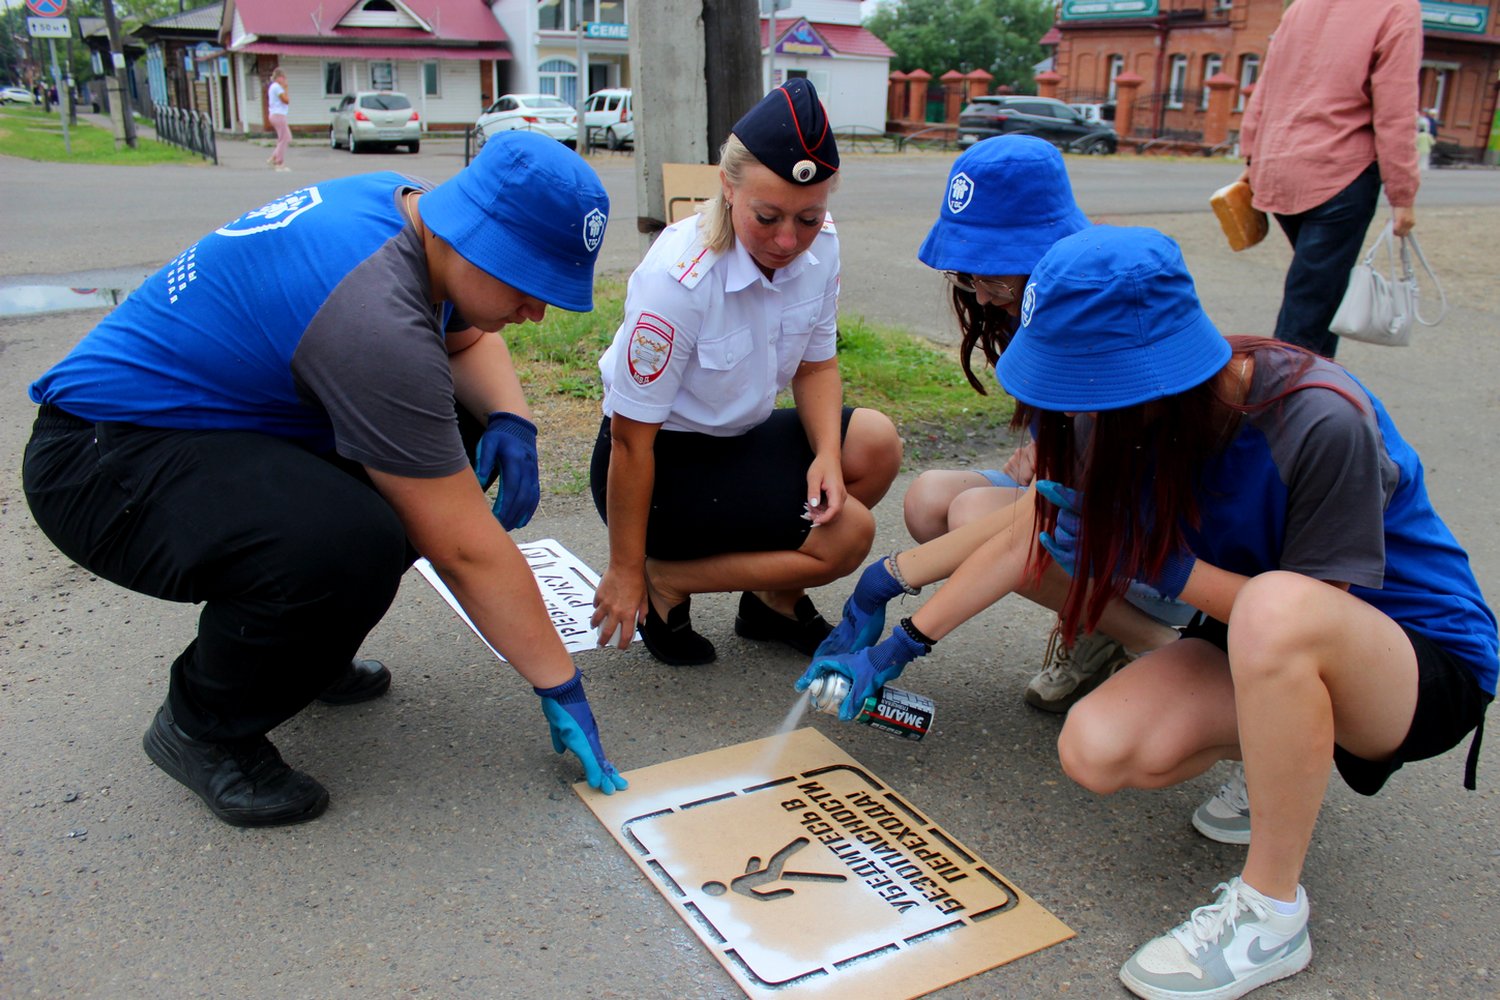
{"x": 294, "y": 556}
{"x": 1326, "y": 241}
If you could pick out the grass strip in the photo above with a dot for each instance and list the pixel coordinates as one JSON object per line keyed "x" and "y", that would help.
{"x": 34, "y": 134}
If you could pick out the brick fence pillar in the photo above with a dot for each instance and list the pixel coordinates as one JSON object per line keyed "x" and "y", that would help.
{"x": 916, "y": 94}
{"x": 1216, "y": 122}
{"x": 895, "y": 96}
{"x": 953, "y": 95}
{"x": 1126, "y": 84}
{"x": 1046, "y": 83}
{"x": 979, "y": 83}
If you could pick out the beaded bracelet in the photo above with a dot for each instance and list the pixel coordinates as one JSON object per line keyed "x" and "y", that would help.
{"x": 917, "y": 635}
{"x": 896, "y": 575}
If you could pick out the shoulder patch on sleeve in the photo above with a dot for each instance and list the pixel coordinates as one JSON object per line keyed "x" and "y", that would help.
{"x": 650, "y": 348}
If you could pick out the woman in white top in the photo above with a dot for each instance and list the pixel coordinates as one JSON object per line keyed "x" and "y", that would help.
{"x": 278, "y": 105}
{"x": 705, "y": 486}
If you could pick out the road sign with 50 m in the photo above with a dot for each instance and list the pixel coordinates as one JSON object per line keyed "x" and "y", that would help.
{"x": 49, "y": 27}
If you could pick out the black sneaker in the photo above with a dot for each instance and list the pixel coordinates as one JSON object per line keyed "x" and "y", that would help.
{"x": 245, "y": 783}
{"x": 364, "y": 680}
{"x": 803, "y": 633}
{"x": 673, "y": 641}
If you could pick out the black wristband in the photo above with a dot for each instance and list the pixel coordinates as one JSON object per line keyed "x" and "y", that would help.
{"x": 917, "y": 635}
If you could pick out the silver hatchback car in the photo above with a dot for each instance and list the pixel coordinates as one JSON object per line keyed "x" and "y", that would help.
{"x": 370, "y": 118}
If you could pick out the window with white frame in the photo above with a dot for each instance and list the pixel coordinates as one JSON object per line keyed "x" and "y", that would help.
{"x": 558, "y": 77}
{"x": 1177, "y": 81}
{"x": 432, "y": 79}
{"x": 1249, "y": 73}
{"x": 558, "y": 15}
{"x": 383, "y": 75}
{"x": 1212, "y": 64}
{"x": 1116, "y": 67}
{"x": 333, "y": 79}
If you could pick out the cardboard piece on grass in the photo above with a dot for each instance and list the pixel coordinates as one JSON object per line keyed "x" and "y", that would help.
{"x": 806, "y": 875}
{"x": 567, "y": 585}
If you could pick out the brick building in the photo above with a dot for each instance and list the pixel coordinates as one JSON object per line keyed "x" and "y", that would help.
{"x": 1176, "y": 46}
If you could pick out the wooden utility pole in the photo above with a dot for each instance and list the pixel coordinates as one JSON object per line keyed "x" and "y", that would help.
{"x": 122, "y": 76}
{"x": 731, "y": 45}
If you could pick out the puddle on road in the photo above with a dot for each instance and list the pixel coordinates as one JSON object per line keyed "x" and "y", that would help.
{"x": 31, "y": 300}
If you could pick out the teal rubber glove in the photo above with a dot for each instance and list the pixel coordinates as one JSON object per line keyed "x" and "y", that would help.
{"x": 864, "y": 612}
{"x": 507, "y": 451}
{"x": 868, "y": 669}
{"x": 1062, "y": 542}
{"x": 573, "y": 728}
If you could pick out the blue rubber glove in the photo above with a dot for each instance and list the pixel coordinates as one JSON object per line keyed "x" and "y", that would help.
{"x": 1062, "y": 542}
{"x": 864, "y": 612}
{"x": 508, "y": 450}
{"x": 868, "y": 669}
{"x": 573, "y": 728}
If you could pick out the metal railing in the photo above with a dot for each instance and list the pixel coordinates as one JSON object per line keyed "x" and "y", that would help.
{"x": 190, "y": 130}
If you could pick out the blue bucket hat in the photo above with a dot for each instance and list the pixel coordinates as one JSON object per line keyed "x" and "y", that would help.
{"x": 528, "y": 212}
{"x": 1110, "y": 319}
{"x": 1008, "y": 200}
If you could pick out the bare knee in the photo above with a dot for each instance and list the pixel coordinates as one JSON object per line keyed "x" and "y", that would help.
{"x": 1091, "y": 752}
{"x": 1274, "y": 624}
{"x": 842, "y": 546}
{"x": 926, "y": 505}
{"x": 871, "y": 455}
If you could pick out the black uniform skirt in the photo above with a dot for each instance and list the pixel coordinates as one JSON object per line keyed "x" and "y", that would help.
{"x": 723, "y": 494}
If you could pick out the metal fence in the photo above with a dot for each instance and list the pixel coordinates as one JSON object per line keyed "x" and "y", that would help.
{"x": 191, "y": 130}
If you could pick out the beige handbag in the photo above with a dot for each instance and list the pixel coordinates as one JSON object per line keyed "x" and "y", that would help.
{"x": 1382, "y": 310}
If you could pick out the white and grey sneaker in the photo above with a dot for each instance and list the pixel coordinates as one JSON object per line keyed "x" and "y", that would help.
{"x": 1226, "y": 816}
{"x": 1066, "y": 677}
{"x": 1234, "y": 945}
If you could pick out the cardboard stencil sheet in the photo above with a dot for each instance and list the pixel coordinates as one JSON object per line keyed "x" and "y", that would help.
{"x": 807, "y": 876}
{"x": 567, "y": 585}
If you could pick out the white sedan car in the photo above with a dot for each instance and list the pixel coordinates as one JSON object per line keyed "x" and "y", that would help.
{"x": 16, "y": 95}
{"x": 542, "y": 113}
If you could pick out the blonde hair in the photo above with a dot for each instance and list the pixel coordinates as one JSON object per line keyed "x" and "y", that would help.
{"x": 715, "y": 223}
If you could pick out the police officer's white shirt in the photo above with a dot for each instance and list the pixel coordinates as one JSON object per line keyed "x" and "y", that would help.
{"x": 708, "y": 341}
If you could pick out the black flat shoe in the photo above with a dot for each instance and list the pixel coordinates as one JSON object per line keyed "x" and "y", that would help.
{"x": 803, "y": 633}
{"x": 365, "y": 679}
{"x": 245, "y": 783}
{"x": 673, "y": 641}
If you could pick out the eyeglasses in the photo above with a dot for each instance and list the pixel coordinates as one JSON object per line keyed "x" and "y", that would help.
{"x": 998, "y": 291}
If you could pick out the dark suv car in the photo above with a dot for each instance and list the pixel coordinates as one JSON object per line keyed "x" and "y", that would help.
{"x": 1042, "y": 117}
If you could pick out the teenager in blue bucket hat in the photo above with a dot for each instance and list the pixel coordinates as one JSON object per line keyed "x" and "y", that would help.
{"x": 289, "y": 413}
{"x": 1341, "y": 625}
{"x": 1006, "y": 202}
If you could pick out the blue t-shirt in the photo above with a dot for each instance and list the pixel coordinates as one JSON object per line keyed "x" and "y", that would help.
{"x": 1315, "y": 485}
{"x": 308, "y": 318}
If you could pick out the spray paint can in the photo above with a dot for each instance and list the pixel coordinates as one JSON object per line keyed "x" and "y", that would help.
{"x": 890, "y": 710}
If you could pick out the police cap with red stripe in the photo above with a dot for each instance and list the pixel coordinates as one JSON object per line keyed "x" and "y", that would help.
{"x": 788, "y": 131}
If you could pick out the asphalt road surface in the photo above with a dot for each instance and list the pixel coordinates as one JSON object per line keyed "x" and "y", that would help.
{"x": 456, "y": 860}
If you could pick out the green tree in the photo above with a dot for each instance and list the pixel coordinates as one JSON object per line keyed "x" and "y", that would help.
{"x": 998, "y": 36}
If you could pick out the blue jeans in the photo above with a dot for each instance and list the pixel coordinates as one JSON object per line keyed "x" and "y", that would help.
{"x": 1326, "y": 241}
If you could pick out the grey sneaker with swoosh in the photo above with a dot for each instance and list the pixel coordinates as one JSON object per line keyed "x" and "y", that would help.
{"x": 1226, "y": 816}
{"x": 1224, "y": 950}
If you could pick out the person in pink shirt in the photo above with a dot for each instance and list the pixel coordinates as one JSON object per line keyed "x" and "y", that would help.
{"x": 1328, "y": 124}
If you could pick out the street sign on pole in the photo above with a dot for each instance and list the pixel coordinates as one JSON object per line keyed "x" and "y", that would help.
{"x": 49, "y": 27}
{"x": 47, "y": 8}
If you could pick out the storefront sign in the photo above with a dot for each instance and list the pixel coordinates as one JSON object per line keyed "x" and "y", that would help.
{"x": 1084, "y": 10}
{"x": 802, "y": 40}
{"x": 601, "y": 29}
{"x": 1467, "y": 18}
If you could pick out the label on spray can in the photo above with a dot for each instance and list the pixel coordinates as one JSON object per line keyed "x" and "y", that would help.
{"x": 890, "y": 710}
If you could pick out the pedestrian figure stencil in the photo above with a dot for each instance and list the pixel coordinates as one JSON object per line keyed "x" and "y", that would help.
{"x": 755, "y": 876}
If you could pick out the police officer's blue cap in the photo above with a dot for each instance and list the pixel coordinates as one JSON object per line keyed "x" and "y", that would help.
{"x": 1007, "y": 201}
{"x": 1110, "y": 319}
{"x": 528, "y": 212}
{"x": 788, "y": 131}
